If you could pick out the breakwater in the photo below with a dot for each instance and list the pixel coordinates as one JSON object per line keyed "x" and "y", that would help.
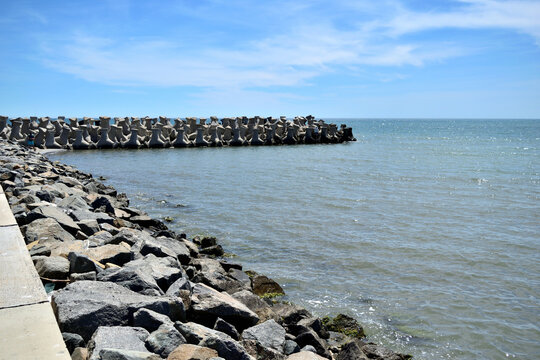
{"x": 122, "y": 284}
{"x": 147, "y": 132}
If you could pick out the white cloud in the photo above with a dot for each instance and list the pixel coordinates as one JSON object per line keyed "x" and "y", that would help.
{"x": 299, "y": 53}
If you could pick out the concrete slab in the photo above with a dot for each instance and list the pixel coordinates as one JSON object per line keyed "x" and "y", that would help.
{"x": 19, "y": 281}
{"x": 6, "y": 216}
{"x": 31, "y": 332}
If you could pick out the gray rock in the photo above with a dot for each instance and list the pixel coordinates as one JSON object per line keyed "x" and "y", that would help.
{"x": 119, "y": 354}
{"x": 103, "y": 203}
{"x": 79, "y": 215}
{"x": 150, "y": 320}
{"x": 133, "y": 279}
{"x": 241, "y": 276}
{"x": 309, "y": 348}
{"x": 100, "y": 238}
{"x": 130, "y": 236}
{"x": 164, "y": 340}
{"x": 290, "y": 313}
{"x": 227, "y": 348}
{"x": 180, "y": 284}
{"x": 73, "y": 341}
{"x": 225, "y": 327}
{"x": 165, "y": 271}
{"x": 208, "y": 304}
{"x": 373, "y": 351}
{"x": 89, "y": 226}
{"x": 73, "y": 202}
{"x": 46, "y": 230}
{"x": 39, "y": 250}
{"x": 116, "y": 337}
{"x": 115, "y": 254}
{"x": 50, "y": 211}
{"x": 290, "y": 347}
{"x": 164, "y": 246}
{"x": 195, "y": 333}
{"x": 80, "y": 263}
{"x": 351, "y": 351}
{"x": 310, "y": 337}
{"x": 83, "y": 306}
{"x": 44, "y": 195}
{"x": 269, "y": 334}
{"x": 263, "y": 285}
{"x": 109, "y": 228}
{"x": 316, "y": 325}
{"x": 80, "y": 353}
{"x": 91, "y": 275}
{"x": 258, "y": 351}
{"x": 53, "y": 267}
{"x": 193, "y": 352}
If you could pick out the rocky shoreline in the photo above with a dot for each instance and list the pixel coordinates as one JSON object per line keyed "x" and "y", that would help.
{"x": 124, "y": 286}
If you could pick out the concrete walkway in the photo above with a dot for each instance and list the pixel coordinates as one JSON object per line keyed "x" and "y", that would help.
{"x": 28, "y": 329}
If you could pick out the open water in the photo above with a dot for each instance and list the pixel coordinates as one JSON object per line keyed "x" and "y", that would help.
{"x": 427, "y": 231}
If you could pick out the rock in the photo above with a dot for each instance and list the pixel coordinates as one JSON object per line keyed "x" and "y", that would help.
{"x": 269, "y": 334}
{"x": 163, "y": 246}
{"x": 208, "y": 304}
{"x": 316, "y": 325}
{"x": 263, "y": 285}
{"x": 110, "y": 229}
{"x": 290, "y": 313}
{"x": 133, "y": 279}
{"x": 305, "y": 355}
{"x": 79, "y": 353}
{"x": 309, "y": 348}
{"x": 83, "y": 306}
{"x": 80, "y": 263}
{"x": 337, "y": 340}
{"x": 73, "y": 341}
{"x": 89, "y": 227}
{"x": 164, "y": 340}
{"x": 54, "y": 267}
{"x": 192, "y": 352}
{"x": 165, "y": 271}
{"x": 150, "y": 320}
{"x": 116, "y": 254}
{"x": 310, "y": 337}
{"x": 290, "y": 347}
{"x": 79, "y": 215}
{"x": 227, "y": 265}
{"x": 39, "y": 250}
{"x": 195, "y": 333}
{"x": 351, "y": 351}
{"x": 130, "y": 236}
{"x": 226, "y": 347}
{"x": 208, "y": 241}
{"x": 147, "y": 222}
{"x": 373, "y": 351}
{"x": 179, "y": 285}
{"x": 119, "y": 354}
{"x": 116, "y": 337}
{"x": 216, "y": 250}
{"x": 226, "y": 328}
{"x": 45, "y": 230}
{"x": 252, "y": 301}
{"x": 91, "y": 275}
{"x": 44, "y": 195}
{"x": 258, "y": 351}
{"x": 50, "y": 211}
{"x": 104, "y": 204}
{"x": 73, "y": 202}
{"x": 241, "y": 276}
{"x": 100, "y": 238}
{"x": 345, "y": 325}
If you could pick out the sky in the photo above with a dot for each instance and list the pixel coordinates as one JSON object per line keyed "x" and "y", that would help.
{"x": 340, "y": 58}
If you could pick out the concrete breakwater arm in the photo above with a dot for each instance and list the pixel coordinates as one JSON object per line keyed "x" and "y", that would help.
{"x": 28, "y": 327}
{"x": 127, "y": 287}
{"x": 137, "y": 133}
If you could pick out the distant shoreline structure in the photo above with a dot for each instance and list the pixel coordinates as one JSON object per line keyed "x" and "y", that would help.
{"x": 147, "y": 132}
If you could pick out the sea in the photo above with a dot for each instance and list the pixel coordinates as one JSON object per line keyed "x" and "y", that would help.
{"x": 425, "y": 230}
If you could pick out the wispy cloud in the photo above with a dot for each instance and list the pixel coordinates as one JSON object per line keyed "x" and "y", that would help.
{"x": 294, "y": 56}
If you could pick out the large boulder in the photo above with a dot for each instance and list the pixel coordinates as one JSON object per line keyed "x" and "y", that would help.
{"x": 344, "y": 324}
{"x": 116, "y": 337}
{"x": 46, "y": 230}
{"x": 269, "y": 334}
{"x": 305, "y": 355}
{"x": 255, "y": 304}
{"x": 310, "y": 337}
{"x": 115, "y": 254}
{"x": 192, "y": 352}
{"x": 53, "y": 267}
{"x": 73, "y": 202}
{"x": 150, "y": 320}
{"x": 263, "y": 285}
{"x": 51, "y": 211}
{"x": 164, "y": 340}
{"x": 133, "y": 279}
{"x": 83, "y": 306}
{"x": 208, "y": 304}
{"x": 130, "y": 236}
{"x": 100, "y": 217}
{"x": 164, "y": 271}
{"x": 226, "y": 347}
{"x": 121, "y": 354}
{"x": 164, "y": 246}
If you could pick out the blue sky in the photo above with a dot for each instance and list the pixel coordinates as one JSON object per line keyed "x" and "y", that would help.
{"x": 341, "y": 58}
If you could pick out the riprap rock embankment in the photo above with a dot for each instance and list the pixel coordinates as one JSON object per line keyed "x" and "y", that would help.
{"x": 124, "y": 286}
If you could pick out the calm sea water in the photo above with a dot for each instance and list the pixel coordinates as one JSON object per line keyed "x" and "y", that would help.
{"x": 427, "y": 231}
